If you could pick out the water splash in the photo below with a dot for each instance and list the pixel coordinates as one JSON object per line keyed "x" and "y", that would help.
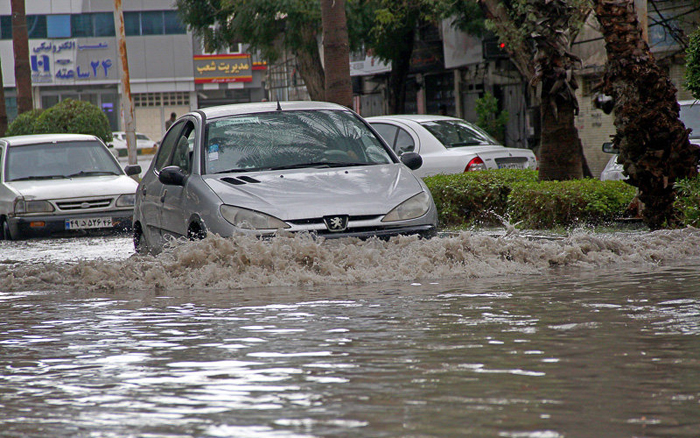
{"x": 230, "y": 263}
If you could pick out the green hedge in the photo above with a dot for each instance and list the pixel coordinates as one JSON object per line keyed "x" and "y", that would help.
{"x": 475, "y": 198}
{"x": 549, "y": 204}
{"x": 483, "y": 198}
{"x": 688, "y": 201}
{"x": 68, "y": 116}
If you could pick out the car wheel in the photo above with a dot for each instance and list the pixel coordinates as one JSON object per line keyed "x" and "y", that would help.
{"x": 139, "y": 240}
{"x": 5, "y": 230}
{"x": 196, "y": 232}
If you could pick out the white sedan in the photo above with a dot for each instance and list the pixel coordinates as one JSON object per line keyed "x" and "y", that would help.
{"x": 144, "y": 145}
{"x": 449, "y": 145}
{"x": 62, "y": 183}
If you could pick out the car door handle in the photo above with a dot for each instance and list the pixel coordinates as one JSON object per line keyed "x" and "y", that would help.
{"x": 162, "y": 198}
{"x": 143, "y": 191}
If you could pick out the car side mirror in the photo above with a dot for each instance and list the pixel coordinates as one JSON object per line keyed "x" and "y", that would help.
{"x": 132, "y": 169}
{"x": 412, "y": 160}
{"x": 172, "y": 176}
{"x": 609, "y": 148}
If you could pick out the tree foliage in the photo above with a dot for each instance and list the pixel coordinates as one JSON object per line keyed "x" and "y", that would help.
{"x": 692, "y": 64}
{"x": 489, "y": 118}
{"x": 68, "y": 116}
{"x": 269, "y": 26}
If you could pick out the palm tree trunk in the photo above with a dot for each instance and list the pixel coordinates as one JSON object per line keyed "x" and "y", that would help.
{"x": 3, "y": 108}
{"x": 653, "y": 142}
{"x": 336, "y": 52}
{"x": 20, "y": 44}
{"x": 310, "y": 67}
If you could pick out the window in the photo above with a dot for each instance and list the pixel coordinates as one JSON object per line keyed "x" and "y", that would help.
{"x": 6, "y": 27}
{"x": 167, "y": 145}
{"x": 132, "y": 23}
{"x": 152, "y": 23}
{"x": 158, "y": 99}
{"x": 36, "y": 26}
{"x": 58, "y": 26}
{"x": 404, "y": 143}
{"x": 173, "y": 25}
{"x": 104, "y": 24}
{"x": 81, "y": 25}
{"x": 182, "y": 157}
{"x": 387, "y": 132}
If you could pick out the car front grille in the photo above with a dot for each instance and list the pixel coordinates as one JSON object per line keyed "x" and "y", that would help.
{"x": 319, "y": 220}
{"x": 83, "y": 205}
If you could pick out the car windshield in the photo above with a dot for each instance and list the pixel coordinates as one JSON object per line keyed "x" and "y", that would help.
{"x": 290, "y": 139}
{"x": 690, "y": 115}
{"x": 59, "y": 160}
{"x": 456, "y": 133}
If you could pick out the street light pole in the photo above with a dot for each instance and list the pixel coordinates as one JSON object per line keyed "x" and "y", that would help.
{"x": 127, "y": 103}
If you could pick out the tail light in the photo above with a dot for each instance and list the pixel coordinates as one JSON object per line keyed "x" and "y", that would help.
{"x": 476, "y": 163}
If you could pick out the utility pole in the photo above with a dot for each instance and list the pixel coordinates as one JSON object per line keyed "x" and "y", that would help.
{"x": 127, "y": 103}
{"x": 643, "y": 18}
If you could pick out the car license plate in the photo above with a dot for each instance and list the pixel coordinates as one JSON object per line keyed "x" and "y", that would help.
{"x": 89, "y": 223}
{"x": 510, "y": 166}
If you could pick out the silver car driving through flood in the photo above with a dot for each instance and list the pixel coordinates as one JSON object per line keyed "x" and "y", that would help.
{"x": 62, "y": 183}
{"x": 265, "y": 167}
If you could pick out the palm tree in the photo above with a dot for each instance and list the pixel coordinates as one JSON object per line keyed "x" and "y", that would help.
{"x": 336, "y": 52}
{"x": 20, "y": 44}
{"x": 3, "y": 108}
{"x": 653, "y": 142}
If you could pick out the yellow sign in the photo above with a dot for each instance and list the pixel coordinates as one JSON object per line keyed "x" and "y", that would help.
{"x": 222, "y": 68}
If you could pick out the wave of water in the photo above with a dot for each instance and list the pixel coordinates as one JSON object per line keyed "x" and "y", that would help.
{"x": 231, "y": 263}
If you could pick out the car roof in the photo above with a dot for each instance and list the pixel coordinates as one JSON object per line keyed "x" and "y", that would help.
{"x": 264, "y": 107}
{"x": 420, "y": 118}
{"x": 21, "y": 140}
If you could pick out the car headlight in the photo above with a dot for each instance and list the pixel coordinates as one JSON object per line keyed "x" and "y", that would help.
{"x": 126, "y": 200}
{"x": 25, "y": 207}
{"x": 411, "y": 208}
{"x": 251, "y": 220}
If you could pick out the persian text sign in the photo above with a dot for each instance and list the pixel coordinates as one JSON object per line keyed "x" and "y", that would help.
{"x": 222, "y": 68}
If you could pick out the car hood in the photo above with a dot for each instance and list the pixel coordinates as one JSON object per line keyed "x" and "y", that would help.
{"x": 306, "y": 193}
{"x": 74, "y": 187}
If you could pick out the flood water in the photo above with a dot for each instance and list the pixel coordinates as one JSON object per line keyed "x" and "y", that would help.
{"x": 465, "y": 335}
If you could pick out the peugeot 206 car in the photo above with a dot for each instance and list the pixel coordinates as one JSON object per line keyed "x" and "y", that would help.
{"x": 264, "y": 167}
{"x": 62, "y": 183}
{"x": 449, "y": 145}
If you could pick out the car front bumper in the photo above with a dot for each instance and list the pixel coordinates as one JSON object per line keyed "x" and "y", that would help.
{"x": 35, "y": 226}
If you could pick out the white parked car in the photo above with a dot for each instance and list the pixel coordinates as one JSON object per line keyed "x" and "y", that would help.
{"x": 449, "y": 145}
{"x": 144, "y": 145}
{"x": 58, "y": 183}
{"x": 261, "y": 168}
{"x": 689, "y": 115}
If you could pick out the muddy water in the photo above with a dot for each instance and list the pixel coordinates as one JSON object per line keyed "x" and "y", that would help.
{"x": 473, "y": 334}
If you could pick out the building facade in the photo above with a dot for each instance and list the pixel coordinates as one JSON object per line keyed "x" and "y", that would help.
{"x": 74, "y": 54}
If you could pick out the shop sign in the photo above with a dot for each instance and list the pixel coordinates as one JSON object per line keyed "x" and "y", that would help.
{"x": 70, "y": 61}
{"x": 427, "y": 57}
{"x": 222, "y": 68}
{"x": 370, "y": 65}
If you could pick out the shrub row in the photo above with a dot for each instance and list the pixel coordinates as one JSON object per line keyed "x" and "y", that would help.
{"x": 688, "y": 201}
{"x": 68, "y": 116}
{"x": 493, "y": 197}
